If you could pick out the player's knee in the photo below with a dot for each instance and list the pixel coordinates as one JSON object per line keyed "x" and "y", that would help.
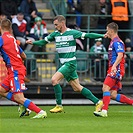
{"x": 2, "y": 91}
{"x": 113, "y": 96}
{"x": 77, "y": 88}
{"x": 105, "y": 88}
{"x": 19, "y": 99}
{"x": 54, "y": 81}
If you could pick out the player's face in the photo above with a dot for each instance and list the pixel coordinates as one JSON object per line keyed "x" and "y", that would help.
{"x": 109, "y": 32}
{"x": 58, "y": 25}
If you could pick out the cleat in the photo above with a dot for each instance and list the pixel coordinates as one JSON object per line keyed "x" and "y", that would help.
{"x": 99, "y": 106}
{"x": 27, "y": 113}
{"x": 100, "y": 114}
{"x": 42, "y": 115}
{"x": 57, "y": 109}
{"x": 21, "y": 110}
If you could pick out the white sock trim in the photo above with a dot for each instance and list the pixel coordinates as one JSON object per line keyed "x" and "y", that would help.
{"x": 104, "y": 111}
{"x": 41, "y": 112}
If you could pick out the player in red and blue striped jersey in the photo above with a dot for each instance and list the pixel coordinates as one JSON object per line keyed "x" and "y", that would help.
{"x": 112, "y": 83}
{"x": 13, "y": 85}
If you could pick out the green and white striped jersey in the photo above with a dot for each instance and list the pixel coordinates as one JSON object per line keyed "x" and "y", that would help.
{"x": 65, "y": 43}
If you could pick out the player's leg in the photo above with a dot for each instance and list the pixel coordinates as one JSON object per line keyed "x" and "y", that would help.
{"x": 57, "y": 77}
{"x": 121, "y": 98}
{"x": 64, "y": 71}
{"x": 108, "y": 84}
{"x": 124, "y": 99}
{"x": 10, "y": 96}
{"x": 106, "y": 101}
{"x": 21, "y": 109}
{"x": 86, "y": 93}
{"x": 15, "y": 82}
{"x": 5, "y": 89}
{"x": 27, "y": 103}
{"x": 6, "y": 92}
{"x": 18, "y": 86}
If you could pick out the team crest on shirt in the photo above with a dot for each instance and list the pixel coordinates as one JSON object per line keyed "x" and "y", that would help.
{"x": 23, "y": 86}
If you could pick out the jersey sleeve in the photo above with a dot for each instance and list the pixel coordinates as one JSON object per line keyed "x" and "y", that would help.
{"x": 82, "y": 35}
{"x": 119, "y": 47}
{"x": 93, "y": 35}
{"x": 77, "y": 34}
{"x": 46, "y": 40}
{"x": 50, "y": 37}
{"x": 40, "y": 42}
{"x": 1, "y": 41}
{"x": 20, "y": 49}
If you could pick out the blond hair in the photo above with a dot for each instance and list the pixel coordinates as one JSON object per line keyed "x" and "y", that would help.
{"x": 113, "y": 26}
{"x": 6, "y": 24}
{"x": 60, "y": 18}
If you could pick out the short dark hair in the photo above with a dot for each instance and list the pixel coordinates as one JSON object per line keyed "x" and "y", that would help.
{"x": 20, "y": 13}
{"x": 113, "y": 26}
{"x": 60, "y": 18}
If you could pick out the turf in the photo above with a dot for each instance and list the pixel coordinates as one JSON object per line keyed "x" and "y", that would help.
{"x": 76, "y": 119}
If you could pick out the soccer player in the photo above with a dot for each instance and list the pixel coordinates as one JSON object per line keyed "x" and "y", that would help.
{"x": 13, "y": 85}
{"x": 65, "y": 40}
{"x": 116, "y": 70}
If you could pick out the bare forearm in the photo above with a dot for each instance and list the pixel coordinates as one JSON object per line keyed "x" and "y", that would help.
{"x": 118, "y": 59}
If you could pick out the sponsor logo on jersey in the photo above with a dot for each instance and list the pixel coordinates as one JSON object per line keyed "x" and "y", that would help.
{"x": 119, "y": 47}
{"x": 64, "y": 38}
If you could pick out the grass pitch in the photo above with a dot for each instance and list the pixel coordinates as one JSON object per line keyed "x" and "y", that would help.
{"x": 76, "y": 119}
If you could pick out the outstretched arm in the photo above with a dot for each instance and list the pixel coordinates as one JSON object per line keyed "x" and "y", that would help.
{"x": 39, "y": 43}
{"x": 93, "y": 35}
{"x": 46, "y": 40}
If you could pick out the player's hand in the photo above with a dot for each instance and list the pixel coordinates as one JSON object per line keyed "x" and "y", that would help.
{"x": 113, "y": 70}
{"x": 26, "y": 80}
{"x": 105, "y": 35}
{"x": 29, "y": 42}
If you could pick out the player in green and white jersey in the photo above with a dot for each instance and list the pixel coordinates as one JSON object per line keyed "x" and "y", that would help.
{"x": 65, "y": 40}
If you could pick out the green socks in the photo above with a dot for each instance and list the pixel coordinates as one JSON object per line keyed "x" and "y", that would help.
{"x": 85, "y": 92}
{"x": 58, "y": 94}
{"x": 88, "y": 94}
